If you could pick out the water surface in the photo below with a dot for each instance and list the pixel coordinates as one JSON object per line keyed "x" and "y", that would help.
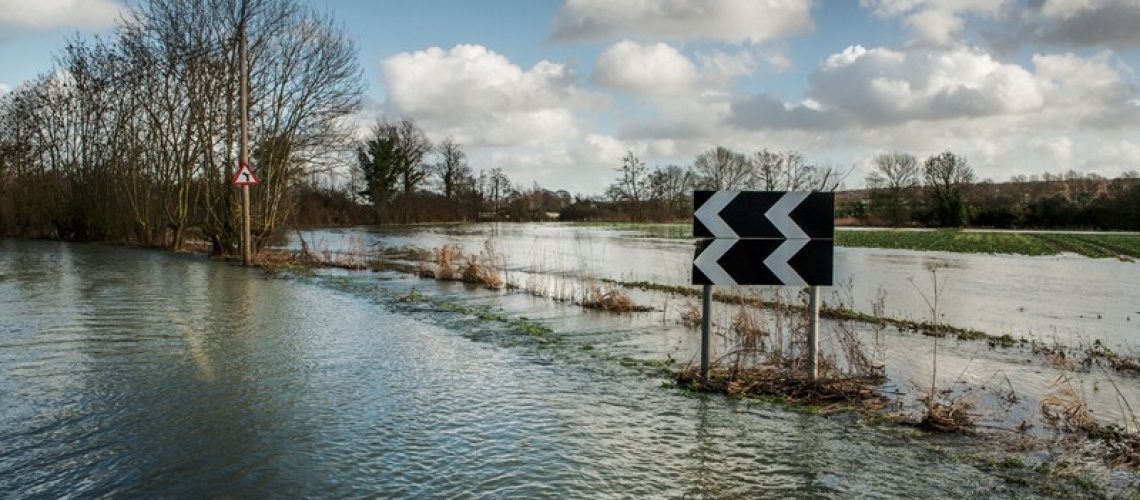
{"x": 142, "y": 373}
{"x": 1068, "y": 299}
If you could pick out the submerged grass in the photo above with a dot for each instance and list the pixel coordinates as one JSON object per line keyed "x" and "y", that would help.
{"x": 1047, "y": 478}
{"x": 486, "y": 269}
{"x": 518, "y": 324}
{"x": 1096, "y": 245}
{"x": 762, "y": 383}
{"x": 837, "y": 313}
{"x": 1090, "y": 245}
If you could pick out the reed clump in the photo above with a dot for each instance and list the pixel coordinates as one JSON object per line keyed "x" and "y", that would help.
{"x": 690, "y": 314}
{"x": 484, "y": 268}
{"x": 608, "y": 298}
{"x": 446, "y": 258}
{"x": 1066, "y": 410}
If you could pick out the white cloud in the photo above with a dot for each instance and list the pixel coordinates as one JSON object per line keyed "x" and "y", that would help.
{"x": 660, "y": 69}
{"x": 47, "y": 14}
{"x": 880, "y": 86}
{"x": 686, "y": 117}
{"x": 1081, "y": 23}
{"x": 731, "y": 21}
{"x": 482, "y": 98}
{"x": 607, "y": 150}
{"x": 1062, "y": 111}
{"x": 1087, "y": 91}
{"x": 719, "y": 68}
{"x": 778, "y": 60}
{"x": 4, "y": 88}
{"x": 935, "y": 22}
{"x": 936, "y": 27}
{"x": 1060, "y": 149}
{"x": 652, "y": 68}
{"x": 893, "y": 8}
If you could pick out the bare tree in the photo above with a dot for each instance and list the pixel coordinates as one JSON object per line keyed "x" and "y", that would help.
{"x": 629, "y": 188}
{"x": 894, "y": 179}
{"x": 825, "y": 177}
{"x": 721, "y": 168}
{"x": 946, "y": 174}
{"x": 412, "y": 145}
{"x": 498, "y": 188}
{"x": 452, "y": 170}
{"x": 451, "y": 167}
{"x": 781, "y": 171}
{"x": 671, "y": 187}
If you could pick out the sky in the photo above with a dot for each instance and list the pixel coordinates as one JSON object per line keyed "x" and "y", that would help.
{"x": 557, "y": 91}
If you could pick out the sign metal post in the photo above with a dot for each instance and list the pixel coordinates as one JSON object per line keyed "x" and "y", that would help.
{"x": 706, "y": 312}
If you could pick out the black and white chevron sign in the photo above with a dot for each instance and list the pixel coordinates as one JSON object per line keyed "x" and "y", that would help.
{"x": 763, "y": 214}
{"x": 763, "y": 238}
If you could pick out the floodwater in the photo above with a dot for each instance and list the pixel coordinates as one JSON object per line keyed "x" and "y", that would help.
{"x": 1067, "y": 299}
{"x": 129, "y": 372}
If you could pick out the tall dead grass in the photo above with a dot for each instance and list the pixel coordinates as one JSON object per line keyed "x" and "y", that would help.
{"x": 859, "y": 359}
{"x": 484, "y": 268}
{"x": 608, "y": 297}
{"x": 1066, "y": 409}
{"x": 446, "y": 259}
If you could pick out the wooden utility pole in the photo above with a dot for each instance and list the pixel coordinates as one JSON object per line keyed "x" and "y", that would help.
{"x": 244, "y": 147}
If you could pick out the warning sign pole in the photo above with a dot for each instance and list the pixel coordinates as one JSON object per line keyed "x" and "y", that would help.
{"x": 245, "y": 244}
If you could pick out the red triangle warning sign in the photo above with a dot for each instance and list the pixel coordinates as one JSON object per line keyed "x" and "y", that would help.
{"x": 244, "y": 176}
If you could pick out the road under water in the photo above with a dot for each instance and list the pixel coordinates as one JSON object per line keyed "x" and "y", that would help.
{"x": 143, "y": 373}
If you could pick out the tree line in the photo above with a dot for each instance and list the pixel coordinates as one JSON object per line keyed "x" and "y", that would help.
{"x": 665, "y": 193}
{"x": 406, "y": 178}
{"x": 135, "y": 138}
{"x": 943, "y": 191}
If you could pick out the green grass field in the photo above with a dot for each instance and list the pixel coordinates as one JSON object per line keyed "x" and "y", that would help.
{"x": 1097, "y": 245}
{"x": 1089, "y": 245}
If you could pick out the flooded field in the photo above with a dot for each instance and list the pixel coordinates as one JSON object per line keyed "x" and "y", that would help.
{"x": 128, "y": 372}
{"x": 1065, "y": 299}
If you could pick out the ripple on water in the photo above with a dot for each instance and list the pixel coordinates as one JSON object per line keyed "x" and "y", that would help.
{"x": 222, "y": 383}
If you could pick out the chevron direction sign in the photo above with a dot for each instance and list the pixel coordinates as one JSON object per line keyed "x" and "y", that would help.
{"x": 763, "y": 238}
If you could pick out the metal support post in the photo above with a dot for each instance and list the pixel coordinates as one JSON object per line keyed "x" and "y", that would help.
{"x": 813, "y": 336}
{"x": 706, "y": 319}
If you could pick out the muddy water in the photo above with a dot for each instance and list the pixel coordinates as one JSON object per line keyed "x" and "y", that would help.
{"x": 1066, "y": 299}
{"x": 136, "y": 373}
